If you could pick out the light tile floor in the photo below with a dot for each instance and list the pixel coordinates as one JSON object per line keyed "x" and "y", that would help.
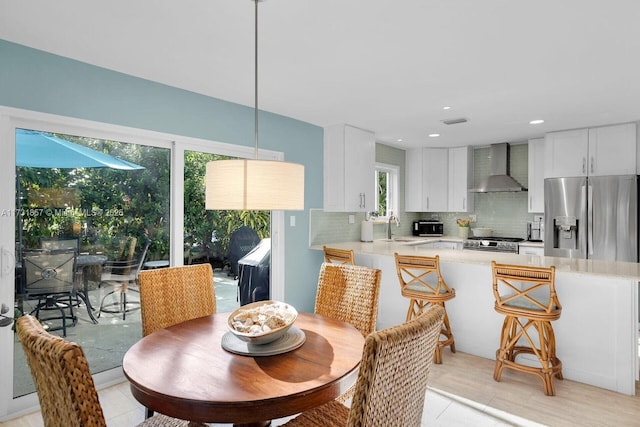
{"x": 104, "y": 344}
{"x": 441, "y": 409}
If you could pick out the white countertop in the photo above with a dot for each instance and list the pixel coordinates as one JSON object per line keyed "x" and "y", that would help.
{"x": 411, "y": 245}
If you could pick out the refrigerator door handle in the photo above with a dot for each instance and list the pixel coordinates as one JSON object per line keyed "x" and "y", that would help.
{"x": 590, "y": 220}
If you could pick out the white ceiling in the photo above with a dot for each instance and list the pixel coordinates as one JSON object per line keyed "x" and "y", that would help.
{"x": 383, "y": 65}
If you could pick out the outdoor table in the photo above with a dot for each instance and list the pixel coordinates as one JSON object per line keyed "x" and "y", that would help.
{"x": 83, "y": 262}
{"x": 150, "y": 265}
{"x": 183, "y": 372}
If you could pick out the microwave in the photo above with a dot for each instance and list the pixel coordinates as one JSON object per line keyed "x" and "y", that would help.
{"x": 427, "y": 228}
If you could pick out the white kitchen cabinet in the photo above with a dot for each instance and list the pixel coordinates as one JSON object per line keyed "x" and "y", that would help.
{"x": 435, "y": 166}
{"x": 612, "y": 150}
{"x": 442, "y": 245}
{"x": 413, "y": 180}
{"x": 536, "y": 175}
{"x": 438, "y": 179}
{"x": 426, "y": 180}
{"x": 606, "y": 150}
{"x": 531, "y": 250}
{"x": 460, "y": 179}
{"x": 349, "y": 169}
{"x": 449, "y": 245}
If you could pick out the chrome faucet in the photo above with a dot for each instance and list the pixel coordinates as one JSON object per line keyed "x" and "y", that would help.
{"x": 392, "y": 217}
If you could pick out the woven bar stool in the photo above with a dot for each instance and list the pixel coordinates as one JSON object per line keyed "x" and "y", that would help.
{"x": 421, "y": 282}
{"x": 527, "y": 297}
{"x": 338, "y": 256}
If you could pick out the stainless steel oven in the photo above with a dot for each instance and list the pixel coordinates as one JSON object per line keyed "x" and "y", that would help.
{"x": 492, "y": 244}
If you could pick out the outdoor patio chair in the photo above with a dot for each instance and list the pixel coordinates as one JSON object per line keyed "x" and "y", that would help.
{"x": 386, "y": 395}
{"x": 123, "y": 277}
{"x": 81, "y": 295}
{"x": 49, "y": 279}
{"x": 60, "y": 243}
{"x": 63, "y": 381}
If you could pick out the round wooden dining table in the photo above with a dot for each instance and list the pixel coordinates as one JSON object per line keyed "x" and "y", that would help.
{"x": 184, "y": 372}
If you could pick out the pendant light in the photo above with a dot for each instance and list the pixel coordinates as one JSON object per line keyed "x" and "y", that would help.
{"x": 252, "y": 184}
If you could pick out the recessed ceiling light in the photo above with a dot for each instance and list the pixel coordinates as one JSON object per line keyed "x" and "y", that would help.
{"x": 536, "y": 122}
{"x": 399, "y": 140}
{"x": 434, "y": 135}
{"x": 446, "y": 108}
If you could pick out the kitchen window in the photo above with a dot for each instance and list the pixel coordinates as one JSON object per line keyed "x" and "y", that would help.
{"x": 387, "y": 177}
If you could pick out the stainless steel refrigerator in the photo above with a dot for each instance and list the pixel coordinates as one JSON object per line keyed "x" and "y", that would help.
{"x": 595, "y": 217}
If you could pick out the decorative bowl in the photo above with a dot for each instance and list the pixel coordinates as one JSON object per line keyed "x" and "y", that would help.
{"x": 482, "y": 232}
{"x": 262, "y": 322}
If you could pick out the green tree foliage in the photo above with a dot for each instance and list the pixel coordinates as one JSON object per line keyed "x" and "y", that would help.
{"x": 110, "y": 204}
{"x": 210, "y": 230}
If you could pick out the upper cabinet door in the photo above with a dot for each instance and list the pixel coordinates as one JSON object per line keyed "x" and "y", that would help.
{"x": 566, "y": 153}
{"x": 438, "y": 179}
{"x": 435, "y": 166}
{"x": 536, "y": 175}
{"x": 460, "y": 179}
{"x": 413, "y": 180}
{"x": 349, "y": 169}
{"x": 612, "y": 150}
{"x": 606, "y": 150}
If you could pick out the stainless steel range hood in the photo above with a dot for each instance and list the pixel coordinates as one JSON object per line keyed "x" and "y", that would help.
{"x": 499, "y": 179}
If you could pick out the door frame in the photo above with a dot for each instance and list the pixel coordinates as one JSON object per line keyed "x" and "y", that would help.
{"x": 12, "y": 118}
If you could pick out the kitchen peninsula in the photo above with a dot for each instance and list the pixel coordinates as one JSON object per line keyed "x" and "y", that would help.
{"x": 596, "y": 335}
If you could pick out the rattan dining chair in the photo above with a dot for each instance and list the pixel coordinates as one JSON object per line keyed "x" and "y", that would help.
{"x": 338, "y": 256}
{"x": 386, "y": 395}
{"x": 173, "y": 295}
{"x": 349, "y": 293}
{"x": 63, "y": 381}
{"x": 527, "y": 297}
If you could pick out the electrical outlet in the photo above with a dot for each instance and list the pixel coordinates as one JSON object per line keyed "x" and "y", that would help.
{"x": 473, "y": 218}
{"x": 352, "y": 219}
{"x": 292, "y": 221}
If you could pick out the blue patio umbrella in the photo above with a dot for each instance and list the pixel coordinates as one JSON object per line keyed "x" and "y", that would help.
{"x": 38, "y": 150}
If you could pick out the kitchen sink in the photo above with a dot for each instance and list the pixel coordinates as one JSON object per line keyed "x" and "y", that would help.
{"x": 404, "y": 239}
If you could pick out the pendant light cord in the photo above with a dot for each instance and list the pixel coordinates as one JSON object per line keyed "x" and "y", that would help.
{"x": 256, "y": 81}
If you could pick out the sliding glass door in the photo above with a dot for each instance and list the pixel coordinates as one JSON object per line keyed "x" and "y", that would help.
{"x": 109, "y": 212}
{"x": 108, "y": 200}
{"x": 222, "y": 238}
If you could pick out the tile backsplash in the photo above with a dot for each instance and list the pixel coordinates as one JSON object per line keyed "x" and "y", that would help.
{"x": 505, "y": 213}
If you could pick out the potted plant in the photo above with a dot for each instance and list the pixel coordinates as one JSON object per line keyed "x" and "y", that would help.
{"x": 463, "y": 227}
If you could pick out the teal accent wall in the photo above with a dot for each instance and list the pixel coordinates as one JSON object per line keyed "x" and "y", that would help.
{"x": 35, "y": 80}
